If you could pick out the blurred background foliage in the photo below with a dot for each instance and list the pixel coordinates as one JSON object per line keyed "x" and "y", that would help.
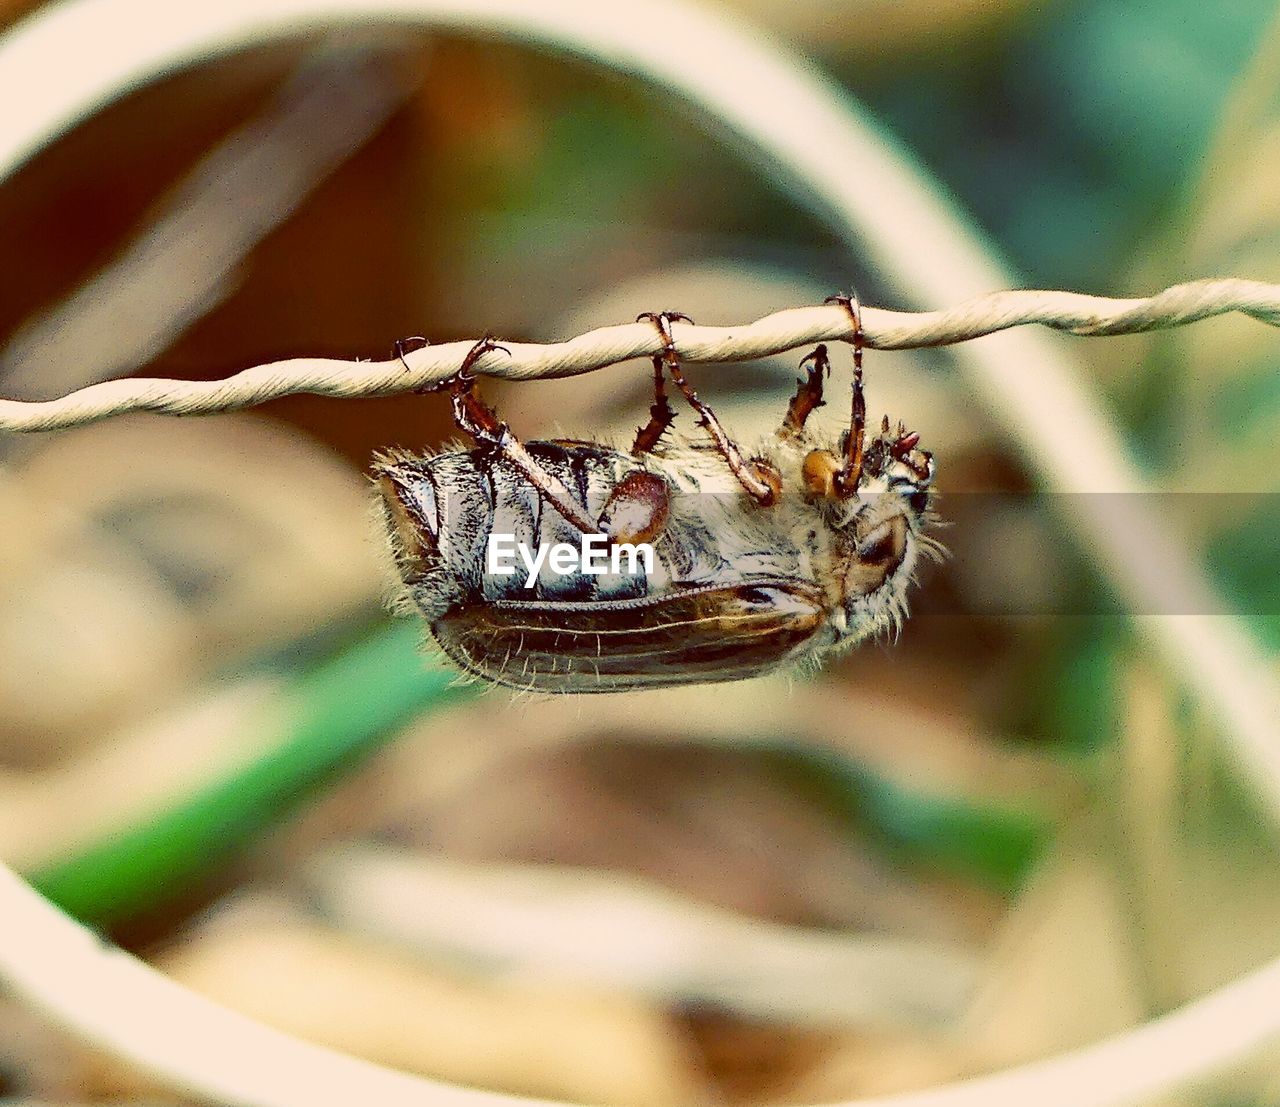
{"x": 1002, "y": 836}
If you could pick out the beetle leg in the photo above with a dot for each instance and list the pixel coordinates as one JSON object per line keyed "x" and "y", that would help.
{"x": 660, "y": 414}
{"x": 760, "y": 479}
{"x": 808, "y": 394}
{"x": 847, "y": 480}
{"x": 637, "y": 508}
{"x": 401, "y": 348}
{"x": 477, "y": 419}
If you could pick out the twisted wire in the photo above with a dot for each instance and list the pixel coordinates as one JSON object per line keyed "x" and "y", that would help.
{"x": 784, "y": 330}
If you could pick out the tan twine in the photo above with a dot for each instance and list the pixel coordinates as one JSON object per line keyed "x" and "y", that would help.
{"x": 791, "y": 329}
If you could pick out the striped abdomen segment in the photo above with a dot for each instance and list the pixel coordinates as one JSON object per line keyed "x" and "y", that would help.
{"x": 444, "y": 509}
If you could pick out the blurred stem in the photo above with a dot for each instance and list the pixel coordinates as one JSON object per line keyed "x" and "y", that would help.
{"x": 186, "y": 261}
{"x": 335, "y": 714}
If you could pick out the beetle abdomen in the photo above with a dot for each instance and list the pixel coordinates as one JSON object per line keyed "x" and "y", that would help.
{"x": 444, "y": 509}
{"x": 702, "y": 615}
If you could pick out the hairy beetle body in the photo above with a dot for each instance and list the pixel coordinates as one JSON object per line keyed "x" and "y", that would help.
{"x": 736, "y": 588}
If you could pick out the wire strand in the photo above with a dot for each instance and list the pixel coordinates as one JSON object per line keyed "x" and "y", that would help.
{"x": 794, "y": 328}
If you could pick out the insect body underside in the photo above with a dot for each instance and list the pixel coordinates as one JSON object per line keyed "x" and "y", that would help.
{"x": 750, "y": 563}
{"x": 699, "y": 615}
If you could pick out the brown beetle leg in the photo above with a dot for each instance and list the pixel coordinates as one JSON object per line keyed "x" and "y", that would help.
{"x": 637, "y": 508}
{"x": 808, "y": 395}
{"x": 850, "y": 475}
{"x": 400, "y": 349}
{"x": 760, "y": 479}
{"x": 660, "y": 414}
{"x": 477, "y": 419}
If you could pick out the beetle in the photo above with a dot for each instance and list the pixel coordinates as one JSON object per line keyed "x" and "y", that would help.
{"x": 788, "y": 556}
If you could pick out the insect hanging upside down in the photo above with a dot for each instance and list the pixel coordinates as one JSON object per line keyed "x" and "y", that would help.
{"x": 732, "y": 565}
